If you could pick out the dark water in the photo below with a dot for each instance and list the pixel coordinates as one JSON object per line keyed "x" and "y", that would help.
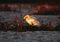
{"x": 42, "y": 36}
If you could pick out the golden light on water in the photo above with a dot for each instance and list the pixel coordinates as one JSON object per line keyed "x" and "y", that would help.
{"x": 31, "y": 20}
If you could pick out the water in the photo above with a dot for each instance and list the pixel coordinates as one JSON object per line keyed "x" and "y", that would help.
{"x": 42, "y": 36}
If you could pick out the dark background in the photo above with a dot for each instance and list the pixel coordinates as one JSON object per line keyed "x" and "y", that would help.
{"x": 31, "y": 1}
{"x": 42, "y": 36}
